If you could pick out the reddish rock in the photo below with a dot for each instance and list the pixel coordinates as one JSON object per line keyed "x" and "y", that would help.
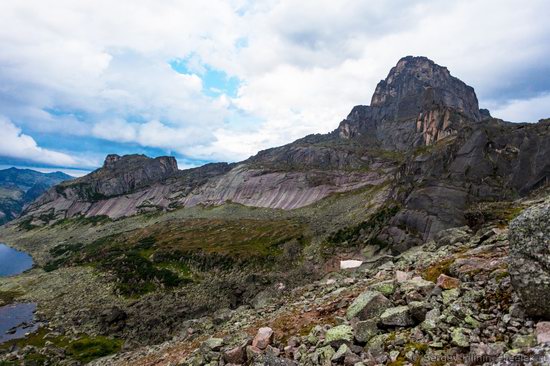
{"x": 236, "y": 356}
{"x": 447, "y": 282}
{"x": 401, "y": 276}
{"x": 263, "y": 338}
{"x": 543, "y": 332}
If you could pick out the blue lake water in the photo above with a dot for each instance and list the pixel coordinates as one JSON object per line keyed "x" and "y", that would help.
{"x": 16, "y": 320}
{"x": 13, "y": 261}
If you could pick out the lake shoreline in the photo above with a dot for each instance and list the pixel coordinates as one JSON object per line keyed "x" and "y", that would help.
{"x": 17, "y": 319}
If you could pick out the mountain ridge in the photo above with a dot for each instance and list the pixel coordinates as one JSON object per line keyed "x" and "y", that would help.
{"x": 419, "y": 108}
{"x": 20, "y": 187}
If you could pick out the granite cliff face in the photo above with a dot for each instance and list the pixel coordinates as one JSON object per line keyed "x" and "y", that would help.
{"x": 418, "y": 104}
{"x": 423, "y": 136}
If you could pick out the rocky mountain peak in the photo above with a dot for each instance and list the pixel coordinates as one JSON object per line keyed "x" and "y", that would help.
{"x": 110, "y": 160}
{"x": 127, "y": 163}
{"x": 416, "y": 84}
{"x": 423, "y": 98}
{"x": 121, "y": 175}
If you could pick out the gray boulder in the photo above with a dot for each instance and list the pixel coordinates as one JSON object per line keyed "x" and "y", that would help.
{"x": 365, "y": 330}
{"x": 368, "y": 305}
{"x": 452, "y": 236}
{"x": 399, "y": 316}
{"x": 530, "y": 258}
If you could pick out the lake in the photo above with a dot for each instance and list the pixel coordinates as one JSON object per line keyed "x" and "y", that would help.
{"x": 17, "y": 319}
{"x": 13, "y": 261}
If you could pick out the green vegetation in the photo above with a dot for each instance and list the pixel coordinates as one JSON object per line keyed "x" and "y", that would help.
{"x": 83, "y": 220}
{"x": 349, "y": 236}
{"x": 433, "y": 272}
{"x": 84, "y": 349}
{"x": 26, "y": 224}
{"x": 167, "y": 254}
{"x": 7, "y": 297}
{"x": 500, "y": 213}
{"x": 134, "y": 274}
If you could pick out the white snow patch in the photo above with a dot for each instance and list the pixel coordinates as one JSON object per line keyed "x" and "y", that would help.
{"x": 350, "y": 263}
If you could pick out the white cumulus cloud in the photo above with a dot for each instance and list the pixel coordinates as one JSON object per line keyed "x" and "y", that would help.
{"x": 17, "y": 145}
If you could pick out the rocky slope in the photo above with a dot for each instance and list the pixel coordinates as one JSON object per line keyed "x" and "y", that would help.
{"x": 449, "y": 301}
{"x": 19, "y": 187}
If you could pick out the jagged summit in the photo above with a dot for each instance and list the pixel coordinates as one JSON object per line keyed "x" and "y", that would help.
{"x": 114, "y": 161}
{"x": 416, "y": 84}
{"x": 417, "y": 104}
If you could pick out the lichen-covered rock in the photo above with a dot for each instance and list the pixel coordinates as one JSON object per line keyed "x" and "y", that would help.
{"x": 452, "y": 236}
{"x": 323, "y": 356}
{"x": 369, "y": 304}
{"x": 212, "y": 344}
{"x": 529, "y": 263}
{"x": 341, "y": 353}
{"x": 450, "y": 295}
{"x": 365, "y": 330}
{"x": 459, "y": 338}
{"x": 417, "y": 284}
{"x": 386, "y": 288}
{"x": 524, "y": 341}
{"x": 398, "y": 316}
{"x": 338, "y": 335}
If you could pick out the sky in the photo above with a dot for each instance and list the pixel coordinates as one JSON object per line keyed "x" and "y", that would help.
{"x": 220, "y": 80}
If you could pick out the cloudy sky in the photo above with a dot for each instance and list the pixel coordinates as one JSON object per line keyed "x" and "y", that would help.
{"x": 217, "y": 80}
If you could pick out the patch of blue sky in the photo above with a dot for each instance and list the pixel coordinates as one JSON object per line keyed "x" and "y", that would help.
{"x": 241, "y": 43}
{"x": 62, "y": 112}
{"x": 214, "y": 82}
{"x": 242, "y": 121}
{"x": 185, "y": 162}
{"x": 96, "y": 149}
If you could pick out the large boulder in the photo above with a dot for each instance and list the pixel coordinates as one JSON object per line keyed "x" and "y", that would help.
{"x": 263, "y": 338}
{"x": 530, "y": 258}
{"x": 339, "y": 335}
{"x": 368, "y": 305}
{"x": 365, "y": 330}
{"x": 399, "y": 316}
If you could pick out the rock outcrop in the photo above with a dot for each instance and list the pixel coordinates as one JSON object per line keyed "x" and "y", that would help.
{"x": 530, "y": 258}
{"x": 419, "y": 103}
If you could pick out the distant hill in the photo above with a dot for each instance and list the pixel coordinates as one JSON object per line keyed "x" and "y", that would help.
{"x": 19, "y": 187}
